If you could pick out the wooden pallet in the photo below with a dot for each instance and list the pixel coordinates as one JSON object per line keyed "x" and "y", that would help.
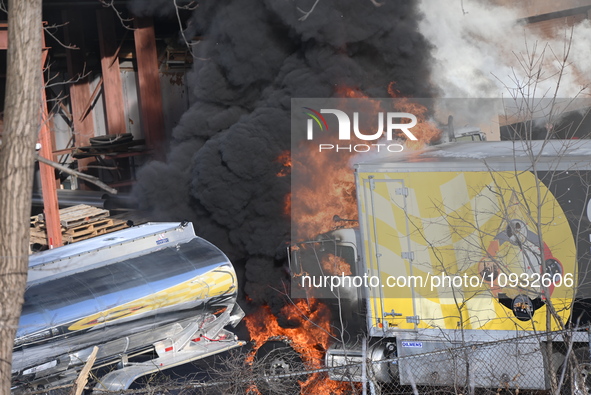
{"x": 81, "y": 214}
{"x": 77, "y": 223}
{"x": 88, "y": 228}
{"x": 91, "y": 230}
{"x": 35, "y": 221}
{"x": 81, "y": 232}
{"x": 73, "y": 216}
{"x": 38, "y": 237}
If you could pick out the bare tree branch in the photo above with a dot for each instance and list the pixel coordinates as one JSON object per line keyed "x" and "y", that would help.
{"x": 55, "y": 27}
{"x": 124, "y": 21}
{"x": 190, "y": 7}
{"x": 307, "y": 13}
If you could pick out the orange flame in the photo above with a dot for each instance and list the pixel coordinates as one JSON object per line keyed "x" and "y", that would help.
{"x": 328, "y": 190}
{"x": 425, "y": 131}
{"x": 309, "y": 334}
{"x": 350, "y": 93}
{"x": 287, "y": 205}
{"x": 324, "y": 186}
{"x": 335, "y": 265}
{"x": 285, "y": 161}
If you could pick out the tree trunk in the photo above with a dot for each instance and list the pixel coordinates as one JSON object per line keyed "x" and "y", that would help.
{"x": 22, "y": 119}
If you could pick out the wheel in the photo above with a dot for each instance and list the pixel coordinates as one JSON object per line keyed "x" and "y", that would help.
{"x": 278, "y": 364}
{"x": 578, "y": 379}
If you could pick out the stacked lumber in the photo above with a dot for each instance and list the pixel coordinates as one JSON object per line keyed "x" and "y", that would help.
{"x": 78, "y": 223}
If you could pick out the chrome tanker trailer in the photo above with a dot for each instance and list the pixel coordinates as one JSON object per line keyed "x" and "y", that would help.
{"x": 149, "y": 297}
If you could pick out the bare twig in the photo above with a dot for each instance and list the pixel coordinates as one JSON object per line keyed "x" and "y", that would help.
{"x": 55, "y": 27}
{"x": 377, "y": 4}
{"x": 307, "y": 13}
{"x": 464, "y": 12}
{"x": 73, "y": 80}
{"x": 190, "y": 7}
{"x": 124, "y": 21}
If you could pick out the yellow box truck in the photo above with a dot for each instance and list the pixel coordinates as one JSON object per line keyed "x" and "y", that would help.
{"x": 461, "y": 246}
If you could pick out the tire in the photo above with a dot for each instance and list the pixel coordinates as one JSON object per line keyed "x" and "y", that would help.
{"x": 278, "y": 358}
{"x": 111, "y": 139}
{"x": 581, "y": 385}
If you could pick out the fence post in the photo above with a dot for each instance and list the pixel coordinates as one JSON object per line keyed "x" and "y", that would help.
{"x": 364, "y": 366}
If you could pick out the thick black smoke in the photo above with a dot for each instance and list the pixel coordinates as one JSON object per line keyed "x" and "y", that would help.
{"x": 221, "y": 171}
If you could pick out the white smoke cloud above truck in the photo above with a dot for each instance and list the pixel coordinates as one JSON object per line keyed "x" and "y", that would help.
{"x": 483, "y": 50}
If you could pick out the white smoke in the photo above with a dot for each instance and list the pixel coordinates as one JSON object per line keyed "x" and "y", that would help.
{"x": 484, "y": 51}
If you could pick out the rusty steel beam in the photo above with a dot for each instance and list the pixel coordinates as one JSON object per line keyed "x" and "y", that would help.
{"x": 48, "y": 181}
{"x": 79, "y": 90}
{"x": 3, "y": 36}
{"x": 150, "y": 93}
{"x": 112, "y": 87}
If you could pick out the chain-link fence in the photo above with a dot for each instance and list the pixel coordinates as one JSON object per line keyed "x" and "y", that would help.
{"x": 542, "y": 363}
{"x": 552, "y": 363}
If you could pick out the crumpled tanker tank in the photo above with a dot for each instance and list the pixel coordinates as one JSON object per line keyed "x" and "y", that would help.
{"x": 155, "y": 287}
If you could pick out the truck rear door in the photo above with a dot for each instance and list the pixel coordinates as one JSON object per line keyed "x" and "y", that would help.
{"x": 388, "y": 257}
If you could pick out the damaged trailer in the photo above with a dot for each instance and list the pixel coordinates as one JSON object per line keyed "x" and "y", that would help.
{"x": 149, "y": 297}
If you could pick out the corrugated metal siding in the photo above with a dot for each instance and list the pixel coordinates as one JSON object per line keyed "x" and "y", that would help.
{"x": 98, "y": 110}
{"x": 175, "y": 98}
{"x": 133, "y": 123}
{"x": 175, "y": 101}
{"x": 552, "y": 27}
{"x": 527, "y": 8}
